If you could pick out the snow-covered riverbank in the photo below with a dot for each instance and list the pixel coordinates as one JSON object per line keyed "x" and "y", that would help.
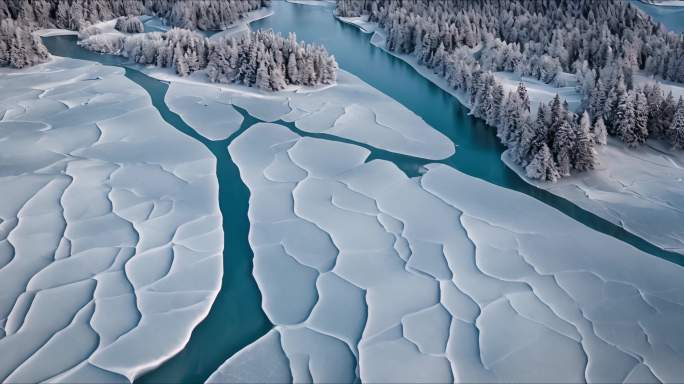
{"x": 538, "y": 91}
{"x": 640, "y": 190}
{"x": 110, "y": 232}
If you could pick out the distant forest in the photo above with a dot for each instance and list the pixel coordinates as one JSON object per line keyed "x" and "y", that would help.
{"x": 260, "y": 59}
{"x": 602, "y": 43}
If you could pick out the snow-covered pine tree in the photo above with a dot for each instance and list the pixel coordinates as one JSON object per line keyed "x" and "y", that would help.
{"x": 564, "y": 147}
{"x": 129, "y": 24}
{"x": 526, "y": 141}
{"x": 675, "y": 133}
{"x": 292, "y": 72}
{"x": 624, "y": 119}
{"x": 524, "y": 98}
{"x": 494, "y": 112}
{"x": 583, "y": 157}
{"x": 262, "y": 80}
{"x": 654, "y": 97}
{"x": 666, "y": 113}
{"x": 600, "y": 133}
{"x": 640, "y": 117}
{"x": 180, "y": 62}
{"x": 542, "y": 166}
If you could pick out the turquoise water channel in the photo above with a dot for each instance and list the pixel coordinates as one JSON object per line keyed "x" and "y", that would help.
{"x": 236, "y": 318}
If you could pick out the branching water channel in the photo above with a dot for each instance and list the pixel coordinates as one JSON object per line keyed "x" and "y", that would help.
{"x": 236, "y": 317}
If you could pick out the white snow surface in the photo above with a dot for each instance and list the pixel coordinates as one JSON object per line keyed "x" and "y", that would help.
{"x": 350, "y": 109}
{"x": 438, "y": 279}
{"x": 640, "y": 189}
{"x": 110, "y": 231}
{"x": 204, "y": 108}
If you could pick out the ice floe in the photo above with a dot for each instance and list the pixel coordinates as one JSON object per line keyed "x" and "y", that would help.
{"x": 350, "y": 109}
{"x": 110, "y": 231}
{"x": 204, "y": 109}
{"x": 368, "y": 273}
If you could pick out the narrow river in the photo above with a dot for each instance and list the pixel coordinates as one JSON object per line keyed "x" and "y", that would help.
{"x": 236, "y": 318}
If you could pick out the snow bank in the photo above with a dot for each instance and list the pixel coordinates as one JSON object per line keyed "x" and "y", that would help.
{"x": 445, "y": 278}
{"x": 350, "y": 109}
{"x": 639, "y": 189}
{"x": 361, "y": 22}
{"x": 110, "y": 231}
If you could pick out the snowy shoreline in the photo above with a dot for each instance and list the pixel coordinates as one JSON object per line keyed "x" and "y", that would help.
{"x": 665, "y": 234}
{"x": 538, "y": 91}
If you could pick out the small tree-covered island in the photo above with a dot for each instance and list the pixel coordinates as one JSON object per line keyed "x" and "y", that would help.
{"x": 341, "y": 191}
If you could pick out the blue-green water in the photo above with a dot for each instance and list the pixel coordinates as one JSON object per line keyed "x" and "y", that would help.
{"x": 236, "y": 318}
{"x": 670, "y": 16}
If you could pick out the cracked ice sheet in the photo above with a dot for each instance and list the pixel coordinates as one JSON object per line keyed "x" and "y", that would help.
{"x": 494, "y": 285}
{"x": 203, "y": 108}
{"x": 639, "y": 189}
{"x": 350, "y": 109}
{"x": 102, "y": 277}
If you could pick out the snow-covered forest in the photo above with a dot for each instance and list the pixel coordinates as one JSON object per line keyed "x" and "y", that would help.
{"x": 603, "y": 43}
{"x": 260, "y": 59}
{"x": 18, "y": 47}
{"x": 19, "y": 17}
{"x": 129, "y": 24}
{"x": 78, "y": 14}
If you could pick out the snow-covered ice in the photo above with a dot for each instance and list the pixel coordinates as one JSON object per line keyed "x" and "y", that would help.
{"x": 204, "y": 108}
{"x": 439, "y": 278}
{"x": 350, "y": 109}
{"x": 640, "y": 189}
{"x": 110, "y": 231}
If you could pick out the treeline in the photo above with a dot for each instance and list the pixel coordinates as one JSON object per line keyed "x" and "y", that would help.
{"x": 79, "y": 14}
{"x": 601, "y": 42}
{"x": 269, "y": 61}
{"x": 19, "y": 49}
{"x": 567, "y": 32}
{"x": 129, "y": 24}
{"x": 259, "y": 59}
